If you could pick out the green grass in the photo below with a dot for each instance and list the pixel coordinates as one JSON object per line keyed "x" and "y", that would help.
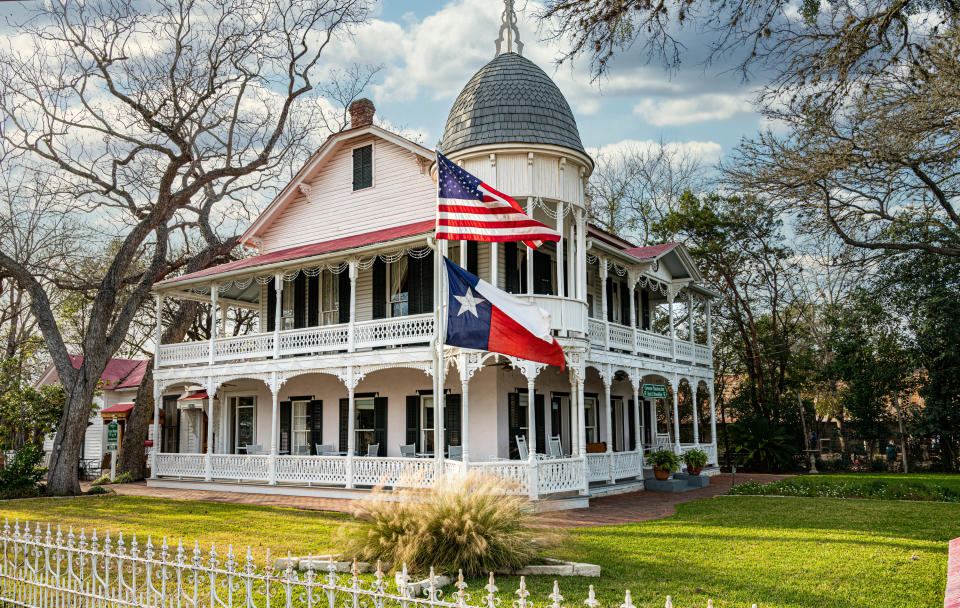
{"x": 782, "y": 552}
{"x": 885, "y": 486}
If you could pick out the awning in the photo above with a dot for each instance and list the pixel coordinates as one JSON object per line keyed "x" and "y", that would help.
{"x": 192, "y": 402}
{"x": 119, "y": 408}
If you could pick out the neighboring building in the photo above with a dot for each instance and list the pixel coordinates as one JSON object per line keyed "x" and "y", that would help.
{"x": 341, "y": 365}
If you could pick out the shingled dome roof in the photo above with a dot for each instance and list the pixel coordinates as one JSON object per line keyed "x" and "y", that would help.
{"x": 510, "y": 100}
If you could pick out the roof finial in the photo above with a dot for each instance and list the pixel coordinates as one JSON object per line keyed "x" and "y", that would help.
{"x": 509, "y": 25}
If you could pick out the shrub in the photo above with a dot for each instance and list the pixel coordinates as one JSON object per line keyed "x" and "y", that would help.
{"x": 124, "y": 477}
{"x": 840, "y": 487}
{"x": 99, "y": 489}
{"x": 762, "y": 443}
{"x": 102, "y": 480}
{"x": 21, "y": 478}
{"x": 695, "y": 458}
{"x": 471, "y": 522}
{"x": 664, "y": 459}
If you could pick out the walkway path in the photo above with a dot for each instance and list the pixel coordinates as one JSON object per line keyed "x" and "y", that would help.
{"x": 608, "y": 510}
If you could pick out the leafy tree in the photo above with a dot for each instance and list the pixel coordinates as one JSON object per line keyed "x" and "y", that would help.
{"x": 27, "y": 412}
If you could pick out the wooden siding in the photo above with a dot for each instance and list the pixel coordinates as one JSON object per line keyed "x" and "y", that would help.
{"x": 400, "y": 195}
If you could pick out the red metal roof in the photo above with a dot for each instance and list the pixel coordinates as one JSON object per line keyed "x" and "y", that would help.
{"x": 651, "y": 251}
{"x": 117, "y": 408}
{"x": 194, "y": 397}
{"x": 305, "y": 251}
{"x": 119, "y": 373}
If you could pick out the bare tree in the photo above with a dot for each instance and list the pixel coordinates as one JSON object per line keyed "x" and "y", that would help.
{"x": 633, "y": 188}
{"x": 153, "y": 113}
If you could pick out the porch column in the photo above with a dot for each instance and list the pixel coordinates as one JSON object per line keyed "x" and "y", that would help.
{"x": 603, "y": 301}
{"x": 607, "y": 384}
{"x": 676, "y": 415}
{"x": 673, "y": 328}
{"x": 581, "y": 258}
{"x": 278, "y": 284}
{"x": 709, "y": 327}
{"x": 529, "y": 253}
{"x": 465, "y": 420}
{"x": 572, "y": 263}
{"x": 351, "y": 332}
{"x": 494, "y": 264}
{"x": 633, "y": 312}
{"x": 653, "y": 421}
{"x": 690, "y": 322}
{"x": 574, "y": 415}
{"x": 157, "y": 397}
{"x": 713, "y": 419}
{"x": 694, "y": 391}
{"x": 214, "y": 308}
{"x": 274, "y": 419}
{"x": 560, "y": 244}
{"x": 158, "y": 330}
{"x": 351, "y": 430}
{"x": 582, "y": 434}
{"x": 637, "y": 420}
{"x": 533, "y": 479}
{"x": 208, "y": 458}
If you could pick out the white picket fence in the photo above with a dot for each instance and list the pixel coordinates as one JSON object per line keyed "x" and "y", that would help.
{"x": 46, "y": 569}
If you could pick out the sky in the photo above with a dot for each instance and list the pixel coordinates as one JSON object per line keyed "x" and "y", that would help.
{"x": 429, "y": 49}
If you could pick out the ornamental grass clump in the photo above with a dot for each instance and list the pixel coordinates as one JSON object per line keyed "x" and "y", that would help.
{"x": 478, "y": 523}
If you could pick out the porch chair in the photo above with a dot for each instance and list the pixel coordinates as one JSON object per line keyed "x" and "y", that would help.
{"x": 408, "y": 450}
{"x": 522, "y": 447}
{"x": 303, "y": 450}
{"x": 323, "y": 449}
{"x": 373, "y": 450}
{"x": 555, "y": 447}
{"x": 254, "y": 449}
{"x": 455, "y": 452}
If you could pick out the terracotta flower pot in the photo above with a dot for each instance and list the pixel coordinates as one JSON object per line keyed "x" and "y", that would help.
{"x": 661, "y": 474}
{"x": 694, "y": 470}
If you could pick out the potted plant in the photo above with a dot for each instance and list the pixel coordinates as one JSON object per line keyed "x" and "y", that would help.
{"x": 695, "y": 459}
{"x": 664, "y": 462}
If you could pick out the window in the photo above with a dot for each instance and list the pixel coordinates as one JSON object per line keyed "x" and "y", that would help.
{"x": 301, "y": 428}
{"x": 329, "y": 298}
{"x": 590, "y": 419}
{"x": 287, "y": 304}
{"x": 365, "y": 425}
{"x": 399, "y": 292}
{"x": 426, "y": 418}
{"x": 245, "y": 413}
{"x": 363, "y": 167}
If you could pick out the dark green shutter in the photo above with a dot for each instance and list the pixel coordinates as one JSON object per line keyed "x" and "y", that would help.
{"x": 285, "y": 427}
{"x": 315, "y": 412}
{"x": 344, "y": 417}
{"x": 343, "y": 297}
{"x": 513, "y": 420}
{"x": 415, "y": 271}
{"x": 624, "y": 304}
{"x": 426, "y": 283}
{"x": 413, "y": 420}
{"x": 542, "y": 273}
{"x": 451, "y": 420}
{"x": 379, "y": 294}
{"x": 313, "y": 301}
{"x": 632, "y": 416}
{"x": 609, "y": 288}
{"x": 271, "y": 305}
{"x": 645, "y": 310}
{"x": 300, "y": 301}
{"x": 380, "y": 424}
{"x": 511, "y": 278}
{"x": 540, "y": 420}
{"x": 362, "y": 167}
{"x": 473, "y": 257}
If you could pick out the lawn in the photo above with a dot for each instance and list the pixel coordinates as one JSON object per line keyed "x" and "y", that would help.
{"x": 885, "y": 486}
{"x": 784, "y": 552}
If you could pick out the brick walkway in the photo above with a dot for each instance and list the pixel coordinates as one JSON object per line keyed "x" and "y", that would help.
{"x": 608, "y": 510}
{"x": 951, "y": 598}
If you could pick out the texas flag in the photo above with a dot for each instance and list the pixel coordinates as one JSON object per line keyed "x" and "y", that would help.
{"x": 482, "y": 317}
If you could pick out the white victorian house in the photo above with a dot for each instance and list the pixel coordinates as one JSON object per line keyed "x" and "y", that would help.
{"x": 333, "y": 393}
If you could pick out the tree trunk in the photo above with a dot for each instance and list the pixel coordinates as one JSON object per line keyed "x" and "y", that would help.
{"x": 68, "y": 444}
{"x": 133, "y": 451}
{"x": 903, "y": 437}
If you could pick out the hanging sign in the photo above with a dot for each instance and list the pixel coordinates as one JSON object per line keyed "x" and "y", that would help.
{"x": 654, "y": 391}
{"x": 113, "y": 435}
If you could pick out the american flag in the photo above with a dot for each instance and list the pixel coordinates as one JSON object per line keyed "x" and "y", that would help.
{"x": 470, "y": 210}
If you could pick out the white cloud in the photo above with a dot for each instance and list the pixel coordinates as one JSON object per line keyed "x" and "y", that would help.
{"x": 708, "y": 152}
{"x": 690, "y": 110}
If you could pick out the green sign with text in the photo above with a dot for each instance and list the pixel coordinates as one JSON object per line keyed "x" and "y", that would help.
{"x": 113, "y": 435}
{"x": 654, "y": 391}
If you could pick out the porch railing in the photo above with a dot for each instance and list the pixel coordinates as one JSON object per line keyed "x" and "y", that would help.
{"x": 604, "y": 334}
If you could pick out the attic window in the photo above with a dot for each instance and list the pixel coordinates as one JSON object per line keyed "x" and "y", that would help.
{"x": 363, "y": 167}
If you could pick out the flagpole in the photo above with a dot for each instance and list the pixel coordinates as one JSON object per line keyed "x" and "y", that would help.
{"x": 439, "y": 339}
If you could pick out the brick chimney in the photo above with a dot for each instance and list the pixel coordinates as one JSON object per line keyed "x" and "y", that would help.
{"x": 361, "y": 113}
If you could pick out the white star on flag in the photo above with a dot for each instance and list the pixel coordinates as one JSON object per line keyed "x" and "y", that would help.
{"x": 468, "y": 303}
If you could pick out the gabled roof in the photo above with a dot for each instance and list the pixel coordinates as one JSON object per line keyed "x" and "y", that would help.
{"x": 119, "y": 373}
{"x": 310, "y": 167}
{"x": 308, "y": 251}
{"x": 650, "y": 252}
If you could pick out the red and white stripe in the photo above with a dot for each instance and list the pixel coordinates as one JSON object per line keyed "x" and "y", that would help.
{"x": 498, "y": 218}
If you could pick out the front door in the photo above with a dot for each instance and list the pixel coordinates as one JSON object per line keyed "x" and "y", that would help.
{"x": 560, "y": 420}
{"x": 245, "y": 417}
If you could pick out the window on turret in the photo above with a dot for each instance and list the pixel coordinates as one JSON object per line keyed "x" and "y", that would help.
{"x": 363, "y": 167}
